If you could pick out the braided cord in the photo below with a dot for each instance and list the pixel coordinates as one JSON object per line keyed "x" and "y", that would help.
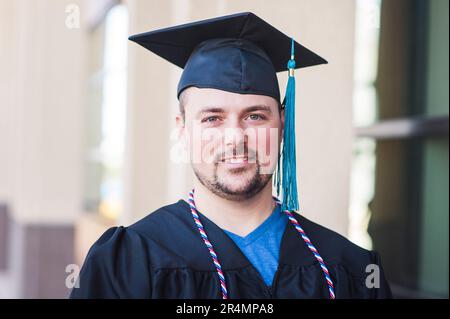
{"x": 218, "y": 266}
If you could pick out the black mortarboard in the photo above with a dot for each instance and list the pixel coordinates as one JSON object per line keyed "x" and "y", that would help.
{"x": 239, "y": 53}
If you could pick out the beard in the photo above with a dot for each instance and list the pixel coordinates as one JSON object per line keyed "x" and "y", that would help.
{"x": 217, "y": 185}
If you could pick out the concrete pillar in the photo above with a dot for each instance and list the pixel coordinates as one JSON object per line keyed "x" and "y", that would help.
{"x": 41, "y": 97}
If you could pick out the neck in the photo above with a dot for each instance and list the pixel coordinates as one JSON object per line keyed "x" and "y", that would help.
{"x": 239, "y": 217}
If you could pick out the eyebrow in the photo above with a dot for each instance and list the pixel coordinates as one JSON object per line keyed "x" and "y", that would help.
{"x": 245, "y": 110}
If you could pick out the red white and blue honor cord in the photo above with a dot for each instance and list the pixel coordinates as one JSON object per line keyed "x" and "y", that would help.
{"x": 313, "y": 250}
{"x": 208, "y": 244}
{"x": 218, "y": 266}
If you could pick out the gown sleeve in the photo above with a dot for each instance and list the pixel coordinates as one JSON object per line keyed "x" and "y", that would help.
{"x": 116, "y": 266}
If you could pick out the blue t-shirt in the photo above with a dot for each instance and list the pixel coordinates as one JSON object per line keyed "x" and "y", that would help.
{"x": 262, "y": 246}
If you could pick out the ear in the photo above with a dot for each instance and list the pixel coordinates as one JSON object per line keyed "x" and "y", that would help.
{"x": 181, "y": 128}
{"x": 182, "y": 138}
{"x": 179, "y": 121}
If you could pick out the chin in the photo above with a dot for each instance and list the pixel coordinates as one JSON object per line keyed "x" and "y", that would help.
{"x": 237, "y": 188}
{"x": 236, "y": 181}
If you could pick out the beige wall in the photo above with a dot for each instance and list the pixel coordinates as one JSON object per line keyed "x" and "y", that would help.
{"x": 147, "y": 116}
{"x": 41, "y": 93}
{"x": 42, "y": 90}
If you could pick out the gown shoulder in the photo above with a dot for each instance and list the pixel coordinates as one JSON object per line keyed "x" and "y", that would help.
{"x": 358, "y": 264}
{"x": 117, "y": 261}
{"x": 120, "y": 264}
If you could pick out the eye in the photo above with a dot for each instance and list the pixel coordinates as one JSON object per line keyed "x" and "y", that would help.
{"x": 210, "y": 119}
{"x": 255, "y": 117}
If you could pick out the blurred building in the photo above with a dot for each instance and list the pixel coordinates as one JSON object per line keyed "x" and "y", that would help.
{"x": 87, "y": 122}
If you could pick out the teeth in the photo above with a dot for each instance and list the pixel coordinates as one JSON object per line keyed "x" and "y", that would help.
{"x": 235, "y": 160}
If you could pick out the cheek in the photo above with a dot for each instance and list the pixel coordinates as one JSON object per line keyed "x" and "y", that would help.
{"x": 205, "y": 146}
{"x": 209, "y": 151}
{"x": 266, "y": 139}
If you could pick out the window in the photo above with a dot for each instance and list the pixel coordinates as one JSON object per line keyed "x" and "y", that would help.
{"x": 106, "y": 114}
{"x": 402, "y": 148}
{"x": 364, "y": 113}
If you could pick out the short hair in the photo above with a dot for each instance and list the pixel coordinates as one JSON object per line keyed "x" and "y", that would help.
{"x": 182, "y": 101}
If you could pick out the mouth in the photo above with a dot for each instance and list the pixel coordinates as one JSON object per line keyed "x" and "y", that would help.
{"x": 237, "y": 162}
{"x": 235, "y": 159}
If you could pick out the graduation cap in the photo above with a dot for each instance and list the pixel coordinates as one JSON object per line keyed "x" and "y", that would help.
{"x": 239, "y": 53}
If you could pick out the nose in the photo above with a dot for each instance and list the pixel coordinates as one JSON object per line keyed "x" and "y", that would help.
{"x": 233, "y": 136}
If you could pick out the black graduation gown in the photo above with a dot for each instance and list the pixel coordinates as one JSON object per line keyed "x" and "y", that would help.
{"x": 163, "y": 256}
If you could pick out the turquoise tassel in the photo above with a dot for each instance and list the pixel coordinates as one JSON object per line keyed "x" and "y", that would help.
{"x": 286, "y": 180}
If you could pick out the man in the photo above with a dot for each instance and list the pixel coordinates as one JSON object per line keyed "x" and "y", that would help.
{"x": 231, "y": 238}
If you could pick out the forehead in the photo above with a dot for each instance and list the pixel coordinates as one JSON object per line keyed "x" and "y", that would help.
{"x": 198, "y": 98}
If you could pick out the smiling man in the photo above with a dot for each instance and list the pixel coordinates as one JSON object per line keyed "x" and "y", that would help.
{"x": 231, "y": 238}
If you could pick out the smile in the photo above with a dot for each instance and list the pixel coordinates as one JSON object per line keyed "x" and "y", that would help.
{"x": 239, "y": 159}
